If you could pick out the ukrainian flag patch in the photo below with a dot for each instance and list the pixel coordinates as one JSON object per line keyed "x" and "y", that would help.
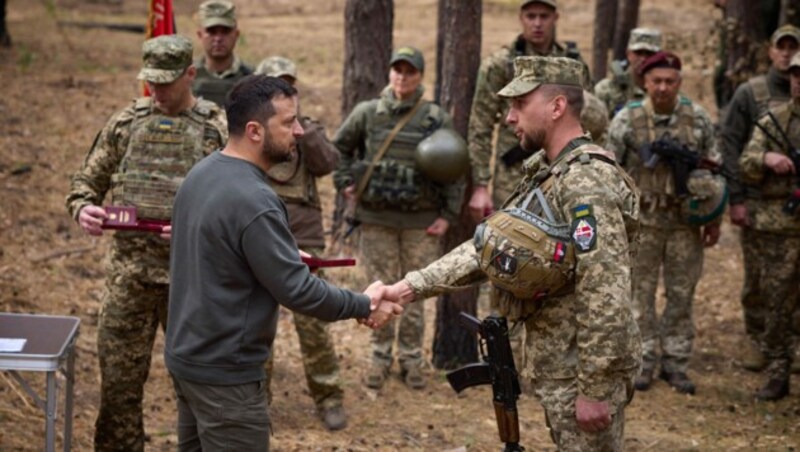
{"x": 581, "y": 211}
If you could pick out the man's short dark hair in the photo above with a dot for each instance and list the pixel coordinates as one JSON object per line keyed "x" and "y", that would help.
{"x": 573, "y": 94}
{"x": 251, "y": 100}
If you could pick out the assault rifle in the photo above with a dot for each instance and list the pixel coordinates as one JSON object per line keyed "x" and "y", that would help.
{"x": 682, "y": 160}
{"x": 791, "y": 205}
{"x": 496, "y": 369}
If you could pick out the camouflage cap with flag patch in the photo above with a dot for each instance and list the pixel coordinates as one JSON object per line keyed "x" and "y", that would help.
{"x": 217, "y": 13}
{"x": 411, "y": 55}
{"x": 531, "y": 72}
{"x": 277, "y": 66}
{"x": 165, "y": 58}
{"x": 645, "y": 39}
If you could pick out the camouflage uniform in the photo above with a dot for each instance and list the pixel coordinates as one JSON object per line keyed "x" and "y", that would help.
{"x": 666, "y": 239}
{"x": 393, "y": 237}
{"x": 777, "y": 236}
{"x": 138, "y": 142}
{"x": 751, "y": 100}
{"x": 583, "y": 339}
{"x": 620, "y": 88}
{"x": 489, "y": 110}
{"x": 211, "y": 85}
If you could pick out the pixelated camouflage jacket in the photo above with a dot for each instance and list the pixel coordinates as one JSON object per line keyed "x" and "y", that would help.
{"x": 589, "y": 333}
{"x": 140, "y": 254}
{"x": 489, "y": 110}
{"x": 766, "y": 211}
{"x": 360, "y": 137}
{"x": 688, "y": 123}
{"x": 617, "y": 90}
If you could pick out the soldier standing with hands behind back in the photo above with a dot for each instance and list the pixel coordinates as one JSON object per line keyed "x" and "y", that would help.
{"x": 141, "y": 156}
{"x": 295, "y": 183}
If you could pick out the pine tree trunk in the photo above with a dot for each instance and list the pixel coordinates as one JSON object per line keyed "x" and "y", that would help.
{"x": 743, "y": 41}
{"x": 627, "y": 18}
{"x": 605, "y": 18}
{"x": 367, "y": 50}
{"x": 458, "y": 59}
{"x": 790, "y": 12}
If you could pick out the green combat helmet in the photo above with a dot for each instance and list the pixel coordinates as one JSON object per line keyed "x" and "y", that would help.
{"x": 442, "y": 157}
{"x": 708, "y": 195}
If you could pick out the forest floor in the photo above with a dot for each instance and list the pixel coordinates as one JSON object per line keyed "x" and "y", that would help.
{"x": 60, "y": 84}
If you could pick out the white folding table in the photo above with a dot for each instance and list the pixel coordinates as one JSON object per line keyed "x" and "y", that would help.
{"x": 49, "y": 347}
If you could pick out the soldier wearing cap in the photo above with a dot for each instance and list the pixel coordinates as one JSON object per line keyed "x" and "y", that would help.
{"x": 219, "y": 68}
{"x": 625, "y": 84}
{"x": 751, "y": 100}
{"x": 667, "y": 238}
{"x": 766, "y": 166}
{"x": 584, "y": 349}
{"x": 538, "y": 19}
{"x": 140, "y": 156}
{"x": 402, "y": 212}
{"x": 295, "y": 182}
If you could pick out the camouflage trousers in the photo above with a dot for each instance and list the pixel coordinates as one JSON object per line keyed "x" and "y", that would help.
{"x": 679, "y": 252}
{"x": 130, "y": 316}
{"x": 387, "y": 255}
{"x": 320, "y": 363}
{"x": 558, "y": 399}
{"x": 753, "y": 303}
{"x": 779, "y": 288}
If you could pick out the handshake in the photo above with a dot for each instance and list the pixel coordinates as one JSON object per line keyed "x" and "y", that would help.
{"x": 386, "y": 302}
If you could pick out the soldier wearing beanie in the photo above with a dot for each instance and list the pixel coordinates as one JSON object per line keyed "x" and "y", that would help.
{"x": 140, "y": 157}
{"x": 667, "y": 240}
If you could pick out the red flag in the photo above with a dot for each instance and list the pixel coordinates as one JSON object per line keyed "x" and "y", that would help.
{"x": 160, "y": 21}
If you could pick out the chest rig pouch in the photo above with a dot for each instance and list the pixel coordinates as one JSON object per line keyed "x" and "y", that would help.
{"x": 161, "y": 150}
{"x": 290, "y": 180}
{"x": 524, "y": 251}
{"x": 396, "y": 183}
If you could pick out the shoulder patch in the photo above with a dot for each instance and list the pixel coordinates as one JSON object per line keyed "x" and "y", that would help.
{"x": 635, "y": 104}
{"x": 583, "y": 210}
{"x": 584, "y": 232}
{"x": 685, "y": 100}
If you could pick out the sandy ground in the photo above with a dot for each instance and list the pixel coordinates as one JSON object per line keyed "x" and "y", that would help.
{"x": 59, "y": 85}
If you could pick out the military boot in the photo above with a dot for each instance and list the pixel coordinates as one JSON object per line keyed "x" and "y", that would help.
{"x": 775, "y": 389}
{"x": 414, "y": 378}
{"x": 376, "y": 376}
{"x": 752, "y": 357}
{"x": 333, "y": 417}
{"x": 679, "y": 381}
{"x": 644, "y": 380}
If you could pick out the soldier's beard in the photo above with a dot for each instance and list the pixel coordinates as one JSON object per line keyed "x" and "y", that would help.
{"x": 276, "y": 154}
{"x": 533, "y": 141}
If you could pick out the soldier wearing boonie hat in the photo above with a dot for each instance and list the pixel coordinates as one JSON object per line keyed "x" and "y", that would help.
{"x": 751, "y": 100}
{"x": 587, "y": 210}
{"x": 296, "y": 184}
{"x": 219, "y": 68}
{"x": 669, "y": 239}
{"x": 624, "y": 84}
{"x": 140, "y": 158}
